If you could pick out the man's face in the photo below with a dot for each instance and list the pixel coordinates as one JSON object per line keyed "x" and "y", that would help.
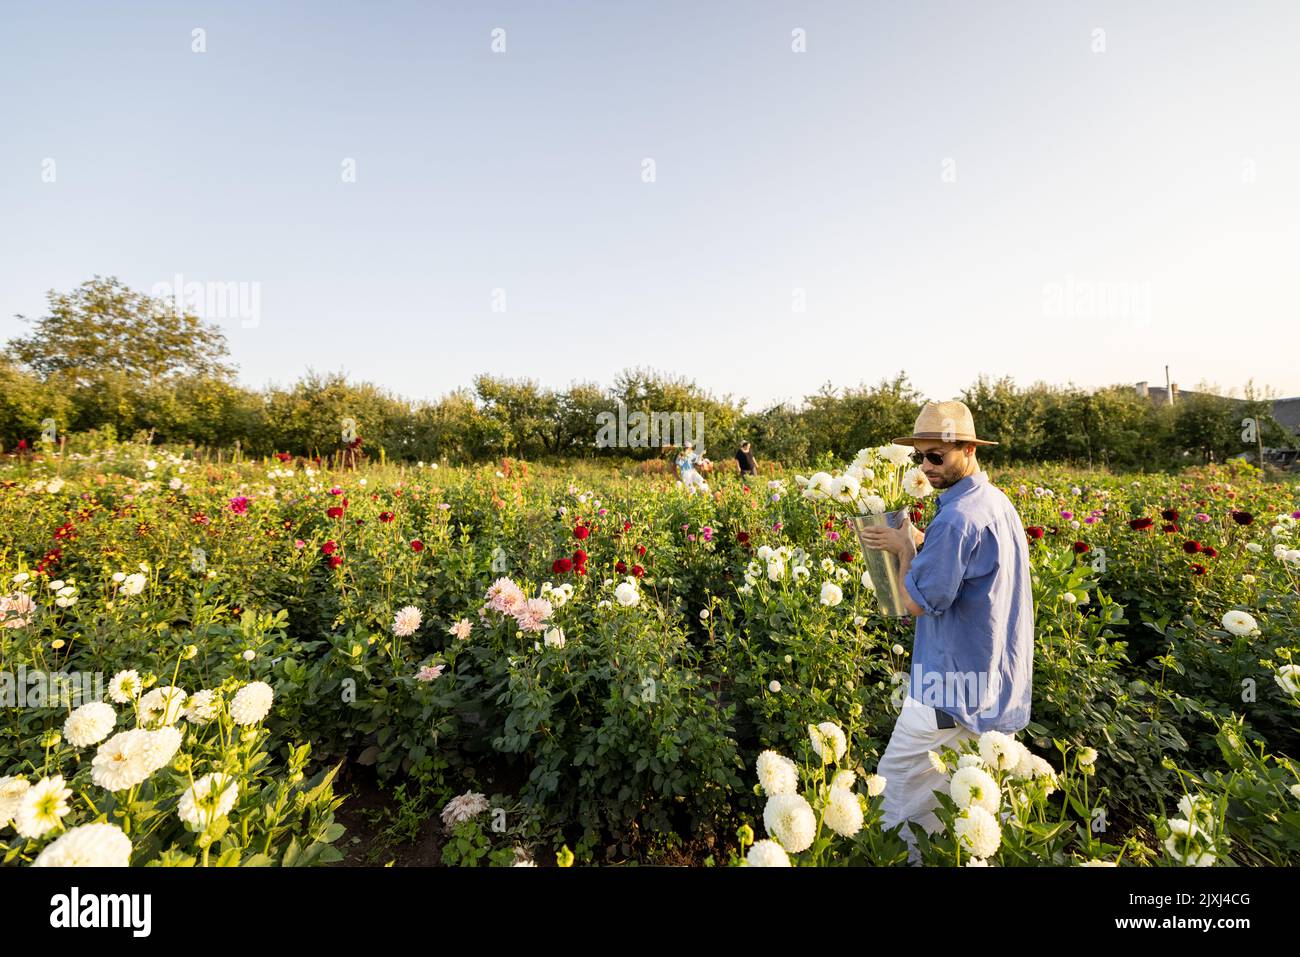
{"x": 953, "y": 469}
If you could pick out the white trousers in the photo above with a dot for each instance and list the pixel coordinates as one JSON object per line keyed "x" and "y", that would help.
{"x": 910, "y": 779}
{"x": 694, "y": 482}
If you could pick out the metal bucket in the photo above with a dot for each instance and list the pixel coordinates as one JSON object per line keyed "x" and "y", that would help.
{"x": 883, "y": 565}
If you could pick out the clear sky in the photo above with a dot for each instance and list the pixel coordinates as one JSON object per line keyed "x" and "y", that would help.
{"x": 946, "y": 188}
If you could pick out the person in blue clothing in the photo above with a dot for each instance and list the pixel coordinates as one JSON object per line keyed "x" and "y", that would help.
{"x": 968, "y": 584}
{"x": 687, "y": 467}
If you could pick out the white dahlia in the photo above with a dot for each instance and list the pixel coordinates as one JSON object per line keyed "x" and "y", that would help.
{"x": 12, "y": 789}
{"x": 828, "y": 733}
{"x": 876, "y": 785}
{"x": 1043, "y": 771}
{"x": 202, "y": 707}
{"x": 896, "y": 455}
{"x": 1288, "y": 679}
{"x": 252, "y": 703}
{"x": 90, "y": 845}
{"x": 89, "y": 724}
{"x": 1192, "y": 806}
{"x": 844, "y": 778}
{"x": 777, "y": 774}
{"x": 124, "y": 686}
{"x": 162, "y": 705}
{"x": 1184, "y": 844}
{"x": 789, "y": 818}
{"x": 463, "y": 807}
{"x": 209, "y": 799}
{"x": 832, "y": 594}
{"x": 975, "y": 786}
{"x": 133, "y": 584}
{"x": 843, "y": 813}
{"x": 999, "y": 750}
{"x": 916, "y": 484}
{"x": 767, "y": 854}
{"x": 845, "y": 488}
{"x": 979, "y": 831}
{"x": 873, "y": 505}
{"x": 407, "y": 621}
{"x": 42, "y": 806}
{"x": 1240, "y": 623}
{"x": 627, "y": 594}
{"x": 160, "y": 746}
{"x": 120, "y": 762}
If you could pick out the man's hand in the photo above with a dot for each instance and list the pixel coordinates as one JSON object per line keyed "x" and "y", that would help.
{"x": 896, "y": 540}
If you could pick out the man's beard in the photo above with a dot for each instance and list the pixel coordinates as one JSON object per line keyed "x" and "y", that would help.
{"x": 942, "y": 482}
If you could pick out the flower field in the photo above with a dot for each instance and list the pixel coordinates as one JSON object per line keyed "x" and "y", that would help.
{"x": 586, "y": 666}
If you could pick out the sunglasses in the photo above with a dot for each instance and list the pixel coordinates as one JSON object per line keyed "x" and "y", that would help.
{"x": 934, "y": 458}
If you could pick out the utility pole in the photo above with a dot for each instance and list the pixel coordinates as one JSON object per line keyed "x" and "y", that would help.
{"x": 1259, "y": 438}
{"x": 1169, "y": 390}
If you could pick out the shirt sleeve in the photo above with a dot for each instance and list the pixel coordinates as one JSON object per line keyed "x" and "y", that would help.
{"x": 938, "y": 569}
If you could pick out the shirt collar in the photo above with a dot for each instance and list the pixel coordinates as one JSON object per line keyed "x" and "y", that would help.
{"x": 962, "y": 487}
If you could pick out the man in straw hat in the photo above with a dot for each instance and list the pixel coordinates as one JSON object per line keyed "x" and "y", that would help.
{"x": 969, "y": 589}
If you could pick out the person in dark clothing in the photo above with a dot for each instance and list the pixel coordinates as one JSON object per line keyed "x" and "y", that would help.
{"x": 746, "y": 460}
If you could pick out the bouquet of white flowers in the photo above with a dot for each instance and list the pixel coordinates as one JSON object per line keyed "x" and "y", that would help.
{"x": 881, "y": 484}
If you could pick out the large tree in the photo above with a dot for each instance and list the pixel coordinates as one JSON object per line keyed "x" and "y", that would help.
{"x": 104, "y": 327}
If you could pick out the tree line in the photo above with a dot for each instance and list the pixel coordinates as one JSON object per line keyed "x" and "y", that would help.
{"x": 106, "y": 361}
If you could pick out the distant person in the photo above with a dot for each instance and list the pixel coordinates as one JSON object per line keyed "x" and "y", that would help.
{"x": 748, "y": 467}
{"x": 690, "y": 475}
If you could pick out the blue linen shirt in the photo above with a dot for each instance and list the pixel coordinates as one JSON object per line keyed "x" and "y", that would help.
{"x": 974, "y": 652}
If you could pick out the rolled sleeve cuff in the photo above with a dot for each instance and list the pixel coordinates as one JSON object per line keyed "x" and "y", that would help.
{"x": 909, "y": 583}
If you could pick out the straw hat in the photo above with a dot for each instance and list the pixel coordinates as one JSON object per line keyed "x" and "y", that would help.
{"x": 943, "y": 422}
